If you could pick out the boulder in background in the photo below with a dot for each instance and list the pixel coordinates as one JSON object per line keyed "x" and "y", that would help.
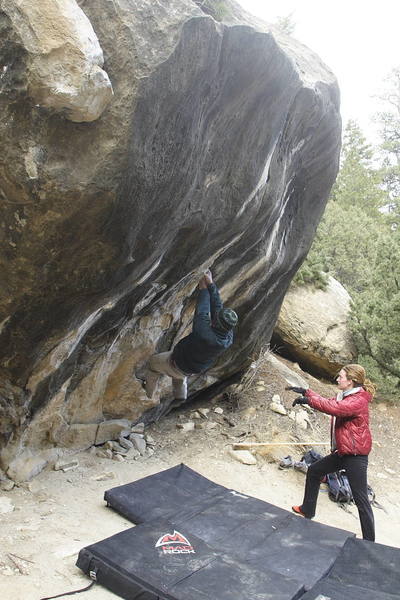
{"x": 313, "y": 327}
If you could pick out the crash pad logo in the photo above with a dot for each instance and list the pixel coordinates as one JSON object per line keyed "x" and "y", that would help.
{"x": 174, "y": 543}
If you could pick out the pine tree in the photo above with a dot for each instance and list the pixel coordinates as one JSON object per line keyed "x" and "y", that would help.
{"x": 359, "y": 181}
{"x": 389, "y": 126}
{"x": 346, "y": 236}
{"x": 375, "y": 317}
{"x": 357, "y": 244}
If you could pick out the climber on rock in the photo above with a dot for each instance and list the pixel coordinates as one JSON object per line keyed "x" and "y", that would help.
{"x": 212, "y": 334}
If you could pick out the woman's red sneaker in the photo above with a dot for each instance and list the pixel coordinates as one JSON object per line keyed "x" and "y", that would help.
{"x": 298, "y": 511}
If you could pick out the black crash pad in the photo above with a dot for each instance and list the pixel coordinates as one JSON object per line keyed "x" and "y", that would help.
{"x": 200, "y": 540}
{"x": 333, "y": 590}
{"x": 161, "y": 495}
{"x": 261, "y": 534}
{"x": 368, "y": 565}
{"x": 250, "y": 530}
{"x": 362, "y": 571}
{"x": 161, "y": 560}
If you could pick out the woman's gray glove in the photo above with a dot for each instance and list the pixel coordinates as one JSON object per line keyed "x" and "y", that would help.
{"x": 298, "y": 390}
{"x": 300, "y": 400}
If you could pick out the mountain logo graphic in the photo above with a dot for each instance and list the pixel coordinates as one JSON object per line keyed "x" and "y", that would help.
{"x": 172, "y": 538}
{"x": 174, "y": 543}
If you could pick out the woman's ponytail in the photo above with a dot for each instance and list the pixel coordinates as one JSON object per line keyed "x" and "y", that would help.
{"x": 369, "y": 386}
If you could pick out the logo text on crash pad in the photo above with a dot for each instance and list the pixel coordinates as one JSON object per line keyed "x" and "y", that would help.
{"x": 174, "y": 543}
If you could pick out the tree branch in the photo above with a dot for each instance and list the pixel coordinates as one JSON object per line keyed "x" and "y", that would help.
{"x": 384, "y": 366}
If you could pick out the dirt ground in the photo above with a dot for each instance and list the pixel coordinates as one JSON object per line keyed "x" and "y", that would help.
{"x": 59, "y": 513}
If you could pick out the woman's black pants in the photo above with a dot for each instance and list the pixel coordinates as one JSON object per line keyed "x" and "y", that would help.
{"x": 356, "y": 471}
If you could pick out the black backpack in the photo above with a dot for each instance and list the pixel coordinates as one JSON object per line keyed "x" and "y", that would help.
{"x": 339, "y": 489}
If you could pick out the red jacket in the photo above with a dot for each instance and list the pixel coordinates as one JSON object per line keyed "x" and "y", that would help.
{"x": 352, "y": 420}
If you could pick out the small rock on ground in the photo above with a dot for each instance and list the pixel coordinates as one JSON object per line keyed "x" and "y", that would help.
{"x": 203, "y": 411}
{"x": 138, "y": 442}
{"x": 243, "y": 456}
{"x": 188, "y": 426}
{"x": 278, "y": 408}
{"x": 138, "y": 428}
{"x": 104, "y": 476}
{"x": 6, "y": 506}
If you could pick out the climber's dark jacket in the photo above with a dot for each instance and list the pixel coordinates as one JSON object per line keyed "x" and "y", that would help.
{"x": 199, "y": 350}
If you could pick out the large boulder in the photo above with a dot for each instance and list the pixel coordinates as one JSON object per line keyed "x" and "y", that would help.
{"x": 219, "y": 148}
{"x": 313, "y": 326}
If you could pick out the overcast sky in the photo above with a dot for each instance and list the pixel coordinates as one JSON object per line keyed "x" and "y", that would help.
{"x": 358, "y": 39}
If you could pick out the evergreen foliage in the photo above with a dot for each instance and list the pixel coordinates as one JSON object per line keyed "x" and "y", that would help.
{"x": 286, "y": 24}
{"x": 358, "y": 243}
{"x": 218, "y": 9}
{"x": 375, "y": 318}
{"x": 358, "y": 183}
{"x": 389, "y": 122}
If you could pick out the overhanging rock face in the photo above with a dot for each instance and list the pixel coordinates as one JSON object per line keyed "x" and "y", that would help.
{"x": 219, "y": 148}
